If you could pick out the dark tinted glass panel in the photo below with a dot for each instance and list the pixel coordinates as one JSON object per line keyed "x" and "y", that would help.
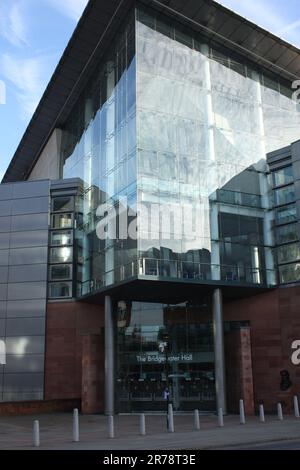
{"x": 25, "y": 327}
{"x": 30, "y": 189}
{"x": 60, "y": 272}
{"x": 27, "y": 290}
{"x": 28, "y": 256}
{"x": 3, "y": 257}
{"x": 60, "y": 289}
{"x": 28, "y": 273}
{"x": 23, "y": 382}
{"x": 23, "y": 344}
{"x": 30, "y": 206}
{"x": 3, "y": 274}
{"x": 235, "y": 228}
{"x": 26, "y": 308}
{"x": 283, "y": 176}
{"x": 2, "y": 309}
{"x": 3, "y": 291}
{"x": 30, "y": 239}
{"x": 4, "y": 241}
{"x": 5, "y": 191}
{"x": 62, "y": 204}
{"x": 2, "y": 327}
{"x": 5, "y": 208}
{"x": 287, "y": 253}
{"x": 289, "y": 273}
{"x": 23, "y": 396}
{"x": 5, "y": 224}
{"x": 287, "y": 233}
{"x": 61, "y": 255}
{"x": 286, "y": 214}
{"x": 24, "y": 363}
{"x": 62, "y": 238}
{"x": 284, "y": 195}
{"x": 34, "y": 222}
{"x": 62, "y": 221}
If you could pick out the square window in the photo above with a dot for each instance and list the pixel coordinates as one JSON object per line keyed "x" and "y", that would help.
{"x": 62, "y": 238}
{"x": 61, "y": 272}
{"x": 60, "y": 290}
{"x": 62, "y": 221}
{"x": 62, "y": 204}
{"x": 61, "y": 255}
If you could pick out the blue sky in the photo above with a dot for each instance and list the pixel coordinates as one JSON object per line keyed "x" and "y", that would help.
{"x": 34, "y": 33}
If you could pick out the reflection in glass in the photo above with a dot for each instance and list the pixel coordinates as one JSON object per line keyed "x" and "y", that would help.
{"x": 142, "y": 370}
{"x": 61, "y": 255}
{"x": 289, "y": 273}
{"x": 284, "y": 195}
{"x": 60, "y": 272}
{"x": 290, "y": 252}
{"x": 286, "y": 214}
{"x": 62, "y": 204}
{"x": 61, "y": 238}
{"x": 62, "y": 221}
{"x": 283, "y": 176}
{"x": 60, "y": 290}
{"x": 287, "y": 233}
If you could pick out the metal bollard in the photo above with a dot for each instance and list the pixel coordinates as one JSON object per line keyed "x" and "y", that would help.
{"x": 170, "y": 418}
{"x": 142, "y": 425}
{"x": 111, "y": 430}
{"x": 75, "y": 425}
{"x": 242, "y": 412}
{"x": 296, "y": 407}
{"x": 36, "y": 434}
{"x": 196, "y": 420}
{"x": 220, "y": 418}
{"x": 261, "y": 413}
{"x": 279, "y": 411}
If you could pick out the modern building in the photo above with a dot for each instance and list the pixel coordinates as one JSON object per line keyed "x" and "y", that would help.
{"x": 150, "y": 218}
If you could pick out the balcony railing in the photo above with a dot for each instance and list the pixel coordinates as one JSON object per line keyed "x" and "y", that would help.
{"x": 237, "y": 198}
{"x": 180, "y": 270}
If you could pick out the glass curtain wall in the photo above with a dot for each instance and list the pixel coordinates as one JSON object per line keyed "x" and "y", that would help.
{"x": 99, "y": 146}
{"x": 203, "y": 117}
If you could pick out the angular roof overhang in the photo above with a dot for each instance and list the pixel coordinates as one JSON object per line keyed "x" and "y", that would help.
{"x": 97, "y": 27}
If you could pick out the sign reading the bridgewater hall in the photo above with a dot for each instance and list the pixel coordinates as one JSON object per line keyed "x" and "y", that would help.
{"x": 161, "y": 358}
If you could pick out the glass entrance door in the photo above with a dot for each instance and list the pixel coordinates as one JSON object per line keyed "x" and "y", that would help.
{"x": 185, "y": 367}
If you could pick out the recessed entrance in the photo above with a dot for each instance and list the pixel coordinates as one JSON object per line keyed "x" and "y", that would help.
{"x": 164, "y": 348}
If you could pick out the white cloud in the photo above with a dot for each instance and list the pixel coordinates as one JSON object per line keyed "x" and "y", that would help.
{"x": 12, "y": 24}
{"x": 268, "y": 16}
{"x": 289, "y": 28}
{"x": 71, "y": 8}
{"x": 29, "y": 77}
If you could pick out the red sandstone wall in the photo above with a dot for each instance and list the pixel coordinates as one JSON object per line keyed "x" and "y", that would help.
{"x": 275, "y": 322}
{"x": 67, "y": 323}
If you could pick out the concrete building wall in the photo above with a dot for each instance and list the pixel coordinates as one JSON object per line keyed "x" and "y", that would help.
{"x": 48, "y": 164}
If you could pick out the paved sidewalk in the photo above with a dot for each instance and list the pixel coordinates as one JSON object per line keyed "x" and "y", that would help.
{"x": 56, "y": 432}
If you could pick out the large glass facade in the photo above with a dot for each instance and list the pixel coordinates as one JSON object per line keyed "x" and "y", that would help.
{"x": 177, "y": 130}
{"x": 99, "y": 146}
{"x": 206, "y": 120}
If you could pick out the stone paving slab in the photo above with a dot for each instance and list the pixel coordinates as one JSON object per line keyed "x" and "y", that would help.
{"x": 56, "y": 432}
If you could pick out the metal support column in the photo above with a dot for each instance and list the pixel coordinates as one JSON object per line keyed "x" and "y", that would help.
{"x": 218, "y": 324}
{"x": 109, "y": 358}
